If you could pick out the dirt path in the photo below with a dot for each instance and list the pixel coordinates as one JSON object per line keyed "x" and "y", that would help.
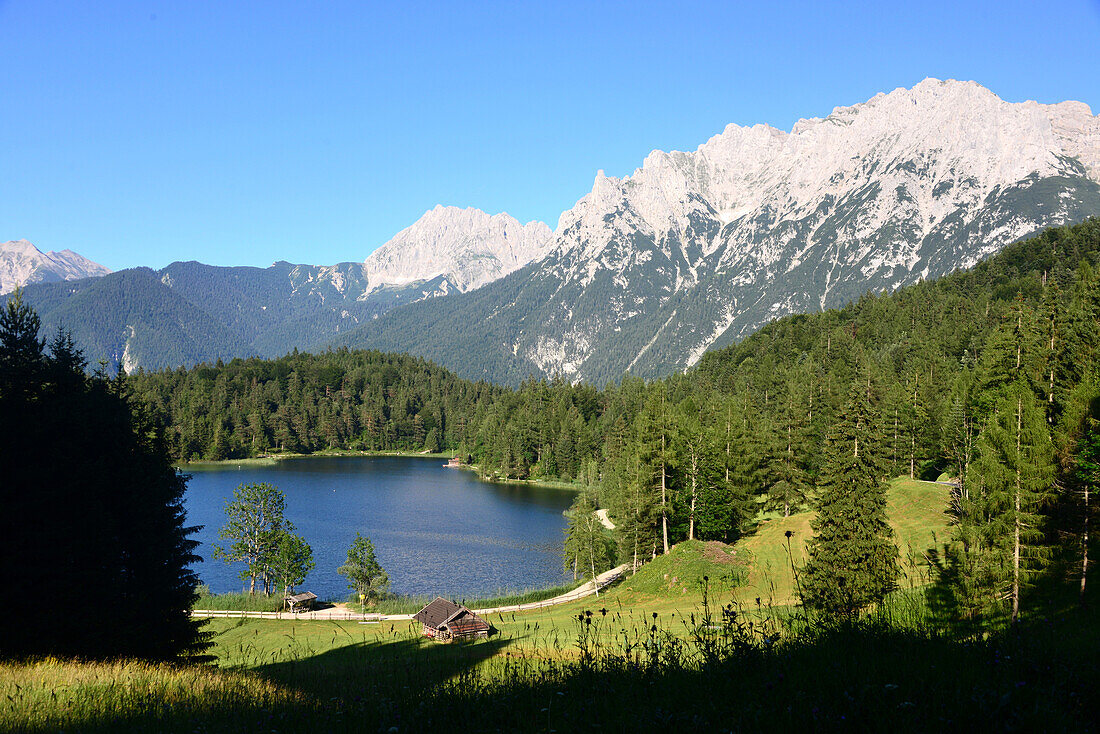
{"x": 342, "y": 612}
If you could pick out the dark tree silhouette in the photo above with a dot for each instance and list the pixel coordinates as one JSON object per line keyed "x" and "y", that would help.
{"x": 91, "y": 515}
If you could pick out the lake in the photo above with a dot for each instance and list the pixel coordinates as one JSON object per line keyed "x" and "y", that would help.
{"x": 435, "y": 530}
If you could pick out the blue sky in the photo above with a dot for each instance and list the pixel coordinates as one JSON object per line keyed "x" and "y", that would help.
{"x": 243, "y": 133}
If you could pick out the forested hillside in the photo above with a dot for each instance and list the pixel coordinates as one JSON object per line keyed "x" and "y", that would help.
{"x": 925, "y": 379}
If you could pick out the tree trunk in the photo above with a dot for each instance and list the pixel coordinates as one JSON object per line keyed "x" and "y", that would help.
{"x": 694, "y": 480}
{"x": 1085, "y": 546}
{"x": 912, "y": 456}
{"x": 634, "y": 570}
{"x": 1016, "y": 523}
{"x": 894, "y": 458}
{"x": 729, "y": 411}
{"x": 664, "y": 509}
{"x": 592, "y": 556}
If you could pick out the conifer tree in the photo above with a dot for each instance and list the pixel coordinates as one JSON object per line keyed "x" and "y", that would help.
{"x": 91, "y": 509}
{"x": 1013, "y": 473}
{"x": 1088, "y": 475}
{"x": 696, "y": 452}
{"x": 654, "y": 438}
{"x": 587, "y": 551}
{"x": 853, "y": 560}
{"x": 632, "y": 507}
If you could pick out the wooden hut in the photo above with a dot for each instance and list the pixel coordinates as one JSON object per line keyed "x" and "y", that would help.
{"x": 301, "y": 602}
{"x": 444, "y": 620}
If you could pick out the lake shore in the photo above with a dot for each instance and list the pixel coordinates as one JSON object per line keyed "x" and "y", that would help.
{"x": 272, "y": 459}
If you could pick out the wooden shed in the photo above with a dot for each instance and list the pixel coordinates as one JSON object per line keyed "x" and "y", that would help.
{"x": 444, "y": 620}
{"x": 301, "y": 602}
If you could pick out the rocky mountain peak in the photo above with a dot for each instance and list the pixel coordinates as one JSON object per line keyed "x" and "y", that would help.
{"x": 22, "y": 263}
{"x": 467, "y": 246}
{"x": 697, "y": 248}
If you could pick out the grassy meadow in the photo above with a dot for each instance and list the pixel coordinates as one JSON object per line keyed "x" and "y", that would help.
{"x": 682, "y": 644}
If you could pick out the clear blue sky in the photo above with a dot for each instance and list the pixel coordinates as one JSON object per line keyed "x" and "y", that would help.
{"x": 243, "y": 133}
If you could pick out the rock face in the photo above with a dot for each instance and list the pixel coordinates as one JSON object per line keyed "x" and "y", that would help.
{"x": 22, "y": 263}
{"x": 697, "y": 249}
{"x": 466, "y": 247}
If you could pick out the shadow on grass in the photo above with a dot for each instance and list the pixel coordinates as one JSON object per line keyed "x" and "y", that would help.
{"x": 342, "y": 689}
{"x": 360, "y": 670}
{"x": 868, "y": 676}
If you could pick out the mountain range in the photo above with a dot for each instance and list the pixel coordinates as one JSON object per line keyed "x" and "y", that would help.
{"x": 695, "y": 250}
{"x": 692, "y": 251}
{"x": 189, "y": 312}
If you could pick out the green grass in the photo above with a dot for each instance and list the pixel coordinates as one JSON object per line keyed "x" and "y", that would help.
{"x": 238, "y": 601}
{"x": 643, "y": 655}
{"x": 412, "y": 604}
{"x": 602, "y": 669}
{"x": 917, "y": 512}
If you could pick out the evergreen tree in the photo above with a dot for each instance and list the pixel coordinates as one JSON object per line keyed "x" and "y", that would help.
{"x": 91, "y": 509}
{"x": 654, "y": 439}
{"x": 1088, "y": 476}
{"x": 1011, "y": 480}
{"x": 632, "y": 507}
{"x": 697, "y": 454}
{"x": 587, "y": 550}
{"x": 22, "y": 356}
{"x": 853, "y": 561}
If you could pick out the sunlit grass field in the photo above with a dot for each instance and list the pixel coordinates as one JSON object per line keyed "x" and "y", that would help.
{"x": 663, "y": 649}
{"x": 917, "y": 512}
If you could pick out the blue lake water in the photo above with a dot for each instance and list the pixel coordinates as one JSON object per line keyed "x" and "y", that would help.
{"x": 435, "y": 530}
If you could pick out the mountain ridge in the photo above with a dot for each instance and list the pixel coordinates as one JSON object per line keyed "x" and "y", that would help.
{"x": 22, "y": 263}
{"x": 695, "y": 250}
{"x": 270, "y": 311}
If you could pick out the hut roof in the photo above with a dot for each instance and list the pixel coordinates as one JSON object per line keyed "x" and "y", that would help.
{"x": 437, "y": 613}
{"x": 304, "y": 596}
{"x": 467, "y": 623}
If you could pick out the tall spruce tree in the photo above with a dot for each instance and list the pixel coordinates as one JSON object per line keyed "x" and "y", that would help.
{"x": 91, "y": 510}
{"x": 853, "y": 559}
{"x": 633, "y": 507}
{"x": 1013, "y": 474}
{"x": 587, "y": 550}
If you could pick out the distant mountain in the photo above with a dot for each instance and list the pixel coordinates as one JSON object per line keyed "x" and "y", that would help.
{"x": 466, "y": 247}
{"x": 131, "y": 318}
{"x": 22, "y": 263}
{"x": 696, "y": 250}
{"x": 244, "y": 311}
